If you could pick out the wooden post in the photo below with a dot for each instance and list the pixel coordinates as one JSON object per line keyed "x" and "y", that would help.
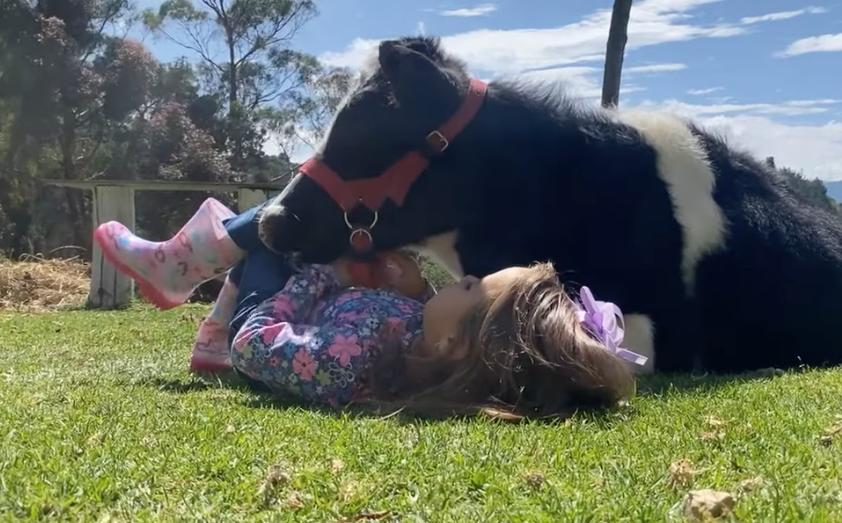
{"x": 110, "y": 289}
{"x": 616, "y": 49}
{"x": 248, "y": 198}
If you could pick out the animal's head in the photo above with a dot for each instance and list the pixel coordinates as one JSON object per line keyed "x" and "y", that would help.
{"x": 411, "y": 90}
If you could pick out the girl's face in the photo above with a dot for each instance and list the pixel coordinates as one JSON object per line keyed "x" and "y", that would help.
{"x": 447, "y": 310}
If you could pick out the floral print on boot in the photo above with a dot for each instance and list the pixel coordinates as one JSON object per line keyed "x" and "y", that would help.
{"x": 168, "y": 272}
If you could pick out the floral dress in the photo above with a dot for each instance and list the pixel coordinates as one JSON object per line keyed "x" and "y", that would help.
{"x": 317, "y": 341}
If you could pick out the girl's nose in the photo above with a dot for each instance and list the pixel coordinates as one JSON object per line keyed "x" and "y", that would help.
{"x": 469, "y": 281}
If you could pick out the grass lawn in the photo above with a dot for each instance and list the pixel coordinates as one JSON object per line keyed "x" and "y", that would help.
{"x": 99, "y": 420}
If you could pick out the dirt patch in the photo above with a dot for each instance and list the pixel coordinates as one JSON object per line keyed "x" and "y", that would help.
{"x": 34, "y": 284}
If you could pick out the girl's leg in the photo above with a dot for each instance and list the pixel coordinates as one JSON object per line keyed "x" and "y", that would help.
{"x": 211, "y": 350}
{"x": 168, "y": 272}
{"x": 261, "y": 275}
{"x": 242, "y": 228}
{"x": 254, "y": 279}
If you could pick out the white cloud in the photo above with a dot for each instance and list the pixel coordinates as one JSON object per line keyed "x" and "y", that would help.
{"x": 567, "y": 55}
{"x": 654, "y": 68}
{"x": 578, "y": 81}
{"x": 782, "y": 15}
{"x": 700, "y": 92}
{"x": 586, "y": 81}
{"x": 785, "y": 108}
{"x": 421, "y": 29}
{"x": 354, "y": 56}
{"x": 814, "y": 44}
{"x": 501, "y": 51}
{"x": 582, "y": 82}
{"x": 480, "y": 10}
{"x": 815, "y": 149}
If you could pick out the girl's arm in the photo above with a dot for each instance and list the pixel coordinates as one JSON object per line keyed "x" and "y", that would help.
{"x": 314, "y": 363}
{"x": 401, "y": 272}
{"x": 429, "y": 292}
{"x": 277, "y": 347}
{"x": 392, "y": 270}
{"x": 293, "y": 304}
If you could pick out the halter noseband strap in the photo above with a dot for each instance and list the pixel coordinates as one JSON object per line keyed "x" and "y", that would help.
{"x": 394, "y": 183}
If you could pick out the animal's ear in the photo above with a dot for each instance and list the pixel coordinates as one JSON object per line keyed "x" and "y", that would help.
{"x": 414, "y": 77}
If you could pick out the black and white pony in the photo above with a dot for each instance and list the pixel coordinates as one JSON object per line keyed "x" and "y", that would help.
{"x": 715, "y": 262}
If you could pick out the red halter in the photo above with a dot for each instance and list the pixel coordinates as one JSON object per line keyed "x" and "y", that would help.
{"x": 394, "y": 183}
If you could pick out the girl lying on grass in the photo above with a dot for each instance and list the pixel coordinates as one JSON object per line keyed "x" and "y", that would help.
{"x": 514, "y": 341}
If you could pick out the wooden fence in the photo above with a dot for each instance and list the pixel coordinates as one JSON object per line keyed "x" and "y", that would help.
{"x": 114, "y": 200}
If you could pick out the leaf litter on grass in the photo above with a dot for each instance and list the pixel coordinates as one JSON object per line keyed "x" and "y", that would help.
{"x": 682, "y": 474}
{"x": 535, "y": 479}
{"x": 277, "y": 476}
{"x": 708, "y": 505}
{"x": 831, "y": 433}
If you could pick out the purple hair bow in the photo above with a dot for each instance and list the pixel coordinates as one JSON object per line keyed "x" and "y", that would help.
{"x": 604, "y": 321}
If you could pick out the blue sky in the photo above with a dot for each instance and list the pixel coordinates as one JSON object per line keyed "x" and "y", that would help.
{"x": 768, "y": 74}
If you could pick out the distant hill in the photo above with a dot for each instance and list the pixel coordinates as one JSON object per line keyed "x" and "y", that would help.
{"x": 834, "y": 190}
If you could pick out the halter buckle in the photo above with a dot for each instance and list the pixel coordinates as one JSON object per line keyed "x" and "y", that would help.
{"x": 437, "y": 142}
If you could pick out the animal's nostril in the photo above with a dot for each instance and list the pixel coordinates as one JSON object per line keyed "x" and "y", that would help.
{"x": 267, "y": 224}
{"x": 279, "y": 229}
{"x": 264, "y": 230}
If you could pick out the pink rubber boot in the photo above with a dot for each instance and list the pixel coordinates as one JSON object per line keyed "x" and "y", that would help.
{"x": 168, "y": 272}
{"x": 211, "y": 352}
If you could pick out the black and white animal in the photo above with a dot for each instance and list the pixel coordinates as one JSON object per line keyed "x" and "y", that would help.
{"x": 715, "y": 262}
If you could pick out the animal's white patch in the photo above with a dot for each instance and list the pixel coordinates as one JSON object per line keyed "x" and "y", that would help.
{"x": 684, "y": 168}
{"x": 442, "y": 249}
{"x": 640, "y": 338}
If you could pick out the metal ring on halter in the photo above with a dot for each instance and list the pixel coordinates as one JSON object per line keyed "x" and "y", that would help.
{"x": 371, "y": 226}
{"x": 358, "y": 231}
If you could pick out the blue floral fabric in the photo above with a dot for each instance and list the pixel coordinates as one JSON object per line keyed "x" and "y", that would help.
{"x": 318, "y": 341}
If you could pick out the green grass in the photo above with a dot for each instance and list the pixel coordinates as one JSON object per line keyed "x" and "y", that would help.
{"x": 99, "y": 419}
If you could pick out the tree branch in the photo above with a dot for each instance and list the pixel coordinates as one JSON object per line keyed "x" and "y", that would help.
{"x": 198, "y": 46}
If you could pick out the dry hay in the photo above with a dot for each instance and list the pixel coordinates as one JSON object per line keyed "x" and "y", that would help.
{"x": 35, "y": 284}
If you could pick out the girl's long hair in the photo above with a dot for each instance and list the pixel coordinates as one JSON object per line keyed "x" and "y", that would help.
{"x": 527, "y": 356}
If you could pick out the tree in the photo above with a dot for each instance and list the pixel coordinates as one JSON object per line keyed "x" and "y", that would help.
{"x": 616, "y": 49}
{"x": 77, "y": 102}
{"x": 244, "y": 48}
{"x": 812, "y": 192}
{"x": 306, "y": 115}
{"x": 66, "y": 80}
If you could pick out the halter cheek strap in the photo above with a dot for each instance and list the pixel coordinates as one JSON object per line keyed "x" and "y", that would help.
{"x": 394, "y": 183}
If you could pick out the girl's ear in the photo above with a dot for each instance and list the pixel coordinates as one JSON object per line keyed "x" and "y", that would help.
{"x": 448, "y": 347}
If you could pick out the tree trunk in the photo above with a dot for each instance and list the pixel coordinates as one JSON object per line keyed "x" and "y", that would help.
{"x": 75, "y": 204}
{"x": 232, "y": 75}
{"x": 237, "y": 145}
{"x": 617, "y": 38}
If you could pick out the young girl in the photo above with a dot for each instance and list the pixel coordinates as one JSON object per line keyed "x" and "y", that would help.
{"x": 514, "y": 340}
